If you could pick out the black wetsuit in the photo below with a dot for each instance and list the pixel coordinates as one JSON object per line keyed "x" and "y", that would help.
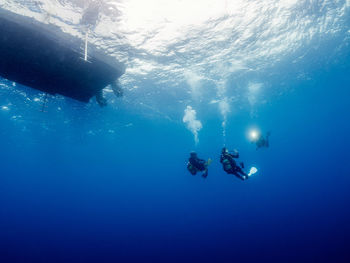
{"x": 230, "y": 166}
{"x": 263, "y": 142}
{"x": 198, "y": 165}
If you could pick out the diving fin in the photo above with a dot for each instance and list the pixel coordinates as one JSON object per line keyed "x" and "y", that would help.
{"x": 252, "y": 171}
{"x": 205, "y": 174}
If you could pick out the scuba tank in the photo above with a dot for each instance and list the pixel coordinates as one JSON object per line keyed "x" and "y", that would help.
{"x": 227, "y": 165}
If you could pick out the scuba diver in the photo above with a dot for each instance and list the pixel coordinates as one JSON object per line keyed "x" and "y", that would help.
{"x": 195, "y": 165}
{"x": 261, "y": 141}
{"x": 100, "y": 99}
{"x": 229, "y": 164}
{"x": 88, "y": 21}
{"x": 117, "y": 90}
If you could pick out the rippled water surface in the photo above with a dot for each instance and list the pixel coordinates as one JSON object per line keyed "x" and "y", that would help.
{"x": 184, "y": 49}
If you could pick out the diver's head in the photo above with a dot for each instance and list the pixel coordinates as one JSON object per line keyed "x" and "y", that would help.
{"x": 224, "y": 150}
{"x": 193, "y": 154}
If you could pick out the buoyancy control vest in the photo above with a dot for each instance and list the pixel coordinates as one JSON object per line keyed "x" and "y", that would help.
{"x": 191, "y": 168}
{"x": 226, "y": 165}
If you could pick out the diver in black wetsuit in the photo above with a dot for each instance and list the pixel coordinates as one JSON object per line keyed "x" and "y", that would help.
{"x": 229, "y": 164}
{"x": 262, "y": 142}
{"x": 89, "y": 20}
{"x": 117, "y": 89}
{"x": 100, "y": 99}
{"x": 195, "y": 165}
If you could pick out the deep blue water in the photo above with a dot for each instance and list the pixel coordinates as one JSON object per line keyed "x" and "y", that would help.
{"x": 129, "y": 198}
{"x": 126, "y": 196}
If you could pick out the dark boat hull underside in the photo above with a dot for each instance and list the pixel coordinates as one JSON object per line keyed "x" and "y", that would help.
{"x": 42, "y": 57}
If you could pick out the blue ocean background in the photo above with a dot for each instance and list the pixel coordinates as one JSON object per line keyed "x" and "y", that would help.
{"x": 80, "y": 183}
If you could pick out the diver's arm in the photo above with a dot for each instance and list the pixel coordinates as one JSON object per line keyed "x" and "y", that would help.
{"x": 201, "y": 161}
{"x": 233, "y": 155}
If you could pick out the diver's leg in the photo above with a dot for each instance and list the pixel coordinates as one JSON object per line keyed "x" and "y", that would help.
{"x": 194, "y": 172}
{"x": 100, "y": 99}
{"x": 238, "y": 176}
{"x": 239, "y": 170}
{"x": 205, "y": 174}
{"x": 117, "y": 90}
{"x": 243, "y": 174}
